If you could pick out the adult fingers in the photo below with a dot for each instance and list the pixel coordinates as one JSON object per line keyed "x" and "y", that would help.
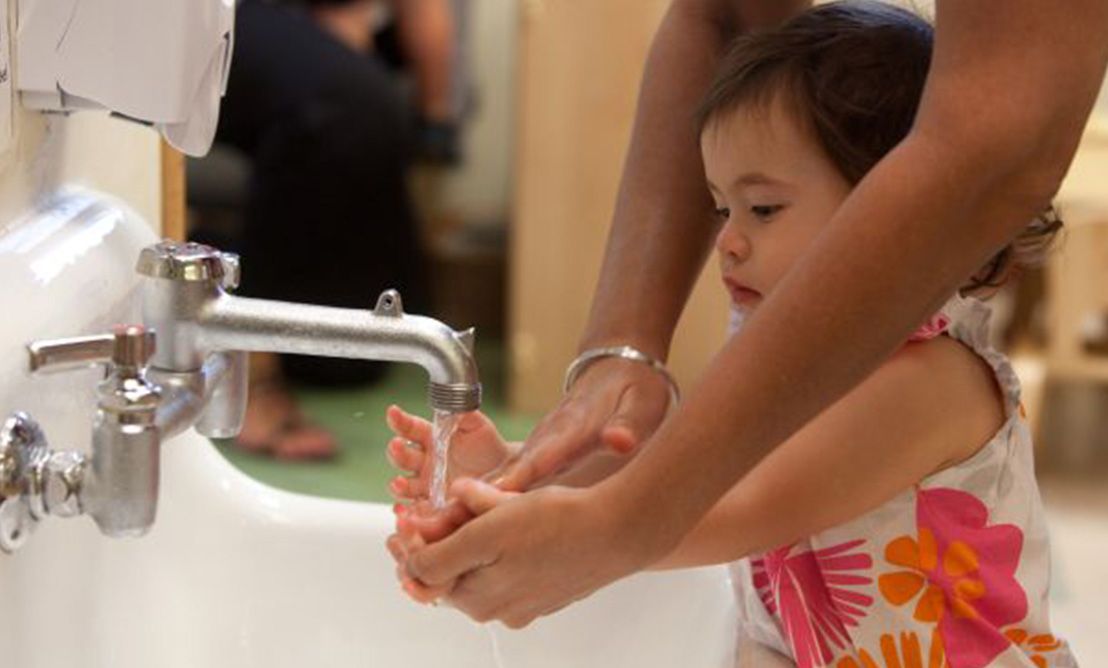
{"x": 406, "y": 425}
{"x": 440, "y": 563}
{"x": 436, "y": 525}
{"x": 470, "y": 596}
{"x": 637, "y": 415}
{"x": 479, "y": 497}
{"x": 417, "y": 591}
{"x": 559, "y": 439}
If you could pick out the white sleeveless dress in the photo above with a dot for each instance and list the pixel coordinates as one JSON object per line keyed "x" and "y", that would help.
{"x": 953, "y": 572}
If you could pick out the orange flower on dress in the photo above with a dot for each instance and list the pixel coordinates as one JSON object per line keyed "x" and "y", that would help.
{"x": 909, "y": 654}
{"x": 960, "y": 573}
{"x": 958, "y": 564}
{"x": 1034, "y": 645}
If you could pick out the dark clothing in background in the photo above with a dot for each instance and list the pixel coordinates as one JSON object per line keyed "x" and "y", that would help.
{"x": 328, "y": 219}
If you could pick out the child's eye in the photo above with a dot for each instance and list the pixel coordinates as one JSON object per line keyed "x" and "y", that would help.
{"x": 722, "y": 212}
{"x": 765, "y": 211}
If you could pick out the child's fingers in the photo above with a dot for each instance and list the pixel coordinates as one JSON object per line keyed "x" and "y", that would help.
{"x": 474, "y": 421}
{"x": 396, "y": 548}
{"x": 406, "y": 455}
{"x": 408, "y": 426}
{"x": 403, "y": 488}
{"x": 400, "y": 489}
{"x": 423, "y": 507}
{"x": 421, "y": 593}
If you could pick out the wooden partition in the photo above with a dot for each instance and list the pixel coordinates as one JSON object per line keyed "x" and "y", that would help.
{"x": 173, "y": 192}
{"x": 579, "y": 71}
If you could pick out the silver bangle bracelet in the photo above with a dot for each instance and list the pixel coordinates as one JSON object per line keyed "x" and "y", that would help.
{"x": 623, "y": 352}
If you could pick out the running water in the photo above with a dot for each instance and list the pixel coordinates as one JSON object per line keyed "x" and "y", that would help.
{"x": 497, "y": 657}
{"x": 443, "y": 428}
{"x": 443, "y": 432}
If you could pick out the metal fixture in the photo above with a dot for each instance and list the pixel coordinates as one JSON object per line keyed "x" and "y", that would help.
{"x": 196, "y": 376}
{"x": 185, "y": 301}
{"x": 117, "y": 484}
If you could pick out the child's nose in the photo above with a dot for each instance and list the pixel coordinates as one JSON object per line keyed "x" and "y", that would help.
{"x": 732, "y": 243}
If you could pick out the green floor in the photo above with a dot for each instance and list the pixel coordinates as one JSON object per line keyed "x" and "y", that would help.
{"x": 356, "y": 416}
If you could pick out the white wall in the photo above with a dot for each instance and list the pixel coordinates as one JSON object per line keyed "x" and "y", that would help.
{"x": 110, "y": 155}
{"x": 480, "y": 191}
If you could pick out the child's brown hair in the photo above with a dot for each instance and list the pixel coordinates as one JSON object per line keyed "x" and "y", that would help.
{"x": 853, "y": 72}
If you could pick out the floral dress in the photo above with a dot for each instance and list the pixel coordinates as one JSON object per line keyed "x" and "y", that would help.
{"x": 952, "y": 573}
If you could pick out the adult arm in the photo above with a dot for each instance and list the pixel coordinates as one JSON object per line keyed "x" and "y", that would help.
{"x": 1008, "y": 95}
{"x": 427, "y": 35}
{"x": 886, "y": 435}
{"x": 661, "y": 234}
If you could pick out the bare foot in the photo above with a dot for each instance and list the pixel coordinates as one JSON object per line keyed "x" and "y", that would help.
{"x": 276, "y": 425}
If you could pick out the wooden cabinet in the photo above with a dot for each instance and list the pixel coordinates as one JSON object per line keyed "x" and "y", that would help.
{"x": 580, "y": 62}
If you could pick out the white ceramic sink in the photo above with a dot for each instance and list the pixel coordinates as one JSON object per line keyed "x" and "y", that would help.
{"x": 235, "y": 573}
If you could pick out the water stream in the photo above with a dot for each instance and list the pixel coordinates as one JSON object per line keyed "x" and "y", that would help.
{"x": 443, "y": 427}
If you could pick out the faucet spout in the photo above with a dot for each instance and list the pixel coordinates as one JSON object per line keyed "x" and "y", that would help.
{"x": 385, "y": 333}
{"x": 186, "y": 301}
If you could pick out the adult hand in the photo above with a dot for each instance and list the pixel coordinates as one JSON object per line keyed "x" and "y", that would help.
{"x": 615, "y": 404}
{"x": 528, "y": 555}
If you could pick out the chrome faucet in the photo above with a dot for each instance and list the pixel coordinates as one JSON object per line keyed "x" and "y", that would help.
{"x": 196, "y": 375}
{"x": 185, "y": 300}
{"x": 117, "y": 484}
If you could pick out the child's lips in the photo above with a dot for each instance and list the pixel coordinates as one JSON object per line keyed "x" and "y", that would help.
{"x": 740, "y": 294}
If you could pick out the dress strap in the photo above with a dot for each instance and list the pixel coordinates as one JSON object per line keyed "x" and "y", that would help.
{"x": 969, "y": 323}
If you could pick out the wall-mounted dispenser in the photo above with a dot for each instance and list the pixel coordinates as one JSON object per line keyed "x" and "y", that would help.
{"x": 160, "y": 62}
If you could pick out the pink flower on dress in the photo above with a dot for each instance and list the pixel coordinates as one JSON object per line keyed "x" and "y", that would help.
{"x": 810, "y": 593}
{"x": 961, "y": 574}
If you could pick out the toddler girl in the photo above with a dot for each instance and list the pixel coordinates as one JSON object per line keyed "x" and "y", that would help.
{"x": 902, "y": 526}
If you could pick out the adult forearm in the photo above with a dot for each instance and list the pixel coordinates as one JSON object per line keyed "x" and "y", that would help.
{"x": 662, "y": 226}
{"x": 427, "y": 34}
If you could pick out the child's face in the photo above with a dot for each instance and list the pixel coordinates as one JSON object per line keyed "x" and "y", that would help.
{"x": 774, "y": 188}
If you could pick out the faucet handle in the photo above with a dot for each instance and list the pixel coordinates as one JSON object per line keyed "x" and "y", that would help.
{"x": 181, "y": 261}
{"x": 132, "y": 346}
{"x": 71, "y": 353}
{"x": 128, "y": 346}
{"x": 232, "y": 270}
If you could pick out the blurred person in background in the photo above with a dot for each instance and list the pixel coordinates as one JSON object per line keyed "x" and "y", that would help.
{"x": 331, "y": 130}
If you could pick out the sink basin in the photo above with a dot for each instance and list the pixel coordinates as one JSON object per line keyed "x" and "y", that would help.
{"x": 236, "y": 573}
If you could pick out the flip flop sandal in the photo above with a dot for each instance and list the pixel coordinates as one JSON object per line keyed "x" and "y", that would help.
{"x": 294, "y": 435}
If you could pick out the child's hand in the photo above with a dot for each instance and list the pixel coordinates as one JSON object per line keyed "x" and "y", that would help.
{"x": 476, "y": 449}
{"x": 401, "y": 545}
